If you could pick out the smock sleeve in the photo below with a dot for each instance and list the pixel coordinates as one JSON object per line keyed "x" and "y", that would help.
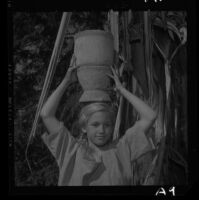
{"x": 141, "y": 154}
{"x": 137, "y": 142}
{"x": 60, "y": 144}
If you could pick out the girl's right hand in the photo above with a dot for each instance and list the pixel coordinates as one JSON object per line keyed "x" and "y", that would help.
{"x": 71, "y": 74}
{"x": 116, "y": 79}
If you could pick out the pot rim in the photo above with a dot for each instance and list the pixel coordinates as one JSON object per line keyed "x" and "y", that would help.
{"x": 93, "y": 32}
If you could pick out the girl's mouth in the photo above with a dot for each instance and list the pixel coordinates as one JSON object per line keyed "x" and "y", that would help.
{"x": 100, "y": 136}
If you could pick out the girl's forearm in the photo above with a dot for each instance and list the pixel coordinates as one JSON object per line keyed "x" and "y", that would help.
{"x": 141, "y": 107}
{"x": 50, "y": 107}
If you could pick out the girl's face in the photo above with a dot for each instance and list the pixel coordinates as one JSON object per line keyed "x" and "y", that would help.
{"x": 99, "y": 128}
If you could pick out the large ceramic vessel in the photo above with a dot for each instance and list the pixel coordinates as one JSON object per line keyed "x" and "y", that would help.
{"x": 94, "y": 55}
{"x": 94, "y": 77}
{"x": 94, "y": 47}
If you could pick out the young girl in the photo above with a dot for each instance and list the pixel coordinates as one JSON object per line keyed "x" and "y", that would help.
{"x": 96, "y": 160}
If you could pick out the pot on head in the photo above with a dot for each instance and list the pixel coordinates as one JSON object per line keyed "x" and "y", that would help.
{"x": 94, "y": 47}
{"x": 94, "y": 52}
{"x": 94, "y": 77}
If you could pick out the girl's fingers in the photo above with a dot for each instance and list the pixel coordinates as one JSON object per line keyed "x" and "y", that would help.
{"x": 113, "y": 67}
{"x": 115, "y": 78}
{"x": 113, "y": 71}
{"x": 111, "y": 76}
{"x": 73, "y": 60}
{"x": 72, "y": 69}
{"x": 76, "y": 66}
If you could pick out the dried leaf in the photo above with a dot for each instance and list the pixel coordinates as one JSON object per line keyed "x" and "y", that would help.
{"x": 171, "y": 34}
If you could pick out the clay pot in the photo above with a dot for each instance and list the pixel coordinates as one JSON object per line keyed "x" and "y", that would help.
{"x": 94, "y": 77}
{"x": 94, "y": 47}
{"x": 94, "y": 51}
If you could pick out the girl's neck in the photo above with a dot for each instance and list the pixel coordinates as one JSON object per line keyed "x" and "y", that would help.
{"x": 99, "y": 149}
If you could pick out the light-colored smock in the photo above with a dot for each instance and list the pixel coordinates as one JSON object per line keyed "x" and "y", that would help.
{"x": 80, "y": 164}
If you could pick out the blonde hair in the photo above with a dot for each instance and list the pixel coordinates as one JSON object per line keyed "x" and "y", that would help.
{"x": 92, "y": 108}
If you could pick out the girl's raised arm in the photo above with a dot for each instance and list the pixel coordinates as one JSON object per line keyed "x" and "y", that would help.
{"x": 50, "y": 107}
{"x": 147, "y": 115}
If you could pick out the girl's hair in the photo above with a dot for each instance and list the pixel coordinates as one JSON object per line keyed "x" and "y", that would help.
{"x": 92, "y": 108}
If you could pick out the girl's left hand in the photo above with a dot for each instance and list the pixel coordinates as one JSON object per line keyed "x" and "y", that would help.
{"x": 71, "y": 74}
{"x": 116, "y": 79}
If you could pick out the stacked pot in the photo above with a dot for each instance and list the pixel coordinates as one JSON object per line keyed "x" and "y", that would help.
{"x": 94, "y": 53}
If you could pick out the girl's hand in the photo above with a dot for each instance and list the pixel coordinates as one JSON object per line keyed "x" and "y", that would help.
{"x": 115, "y": 77}
{"x": 71, "y": 74}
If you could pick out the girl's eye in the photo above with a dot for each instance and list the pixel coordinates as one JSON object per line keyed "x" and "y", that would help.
{"x": 106, "y": 125}
{"x": 95, "y": 124}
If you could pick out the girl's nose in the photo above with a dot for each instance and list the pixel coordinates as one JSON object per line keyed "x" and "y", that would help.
{"x": 101, "y": 128}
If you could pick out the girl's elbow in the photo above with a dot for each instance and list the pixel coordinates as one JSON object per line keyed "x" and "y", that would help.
{"x": 43, "y": 114}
